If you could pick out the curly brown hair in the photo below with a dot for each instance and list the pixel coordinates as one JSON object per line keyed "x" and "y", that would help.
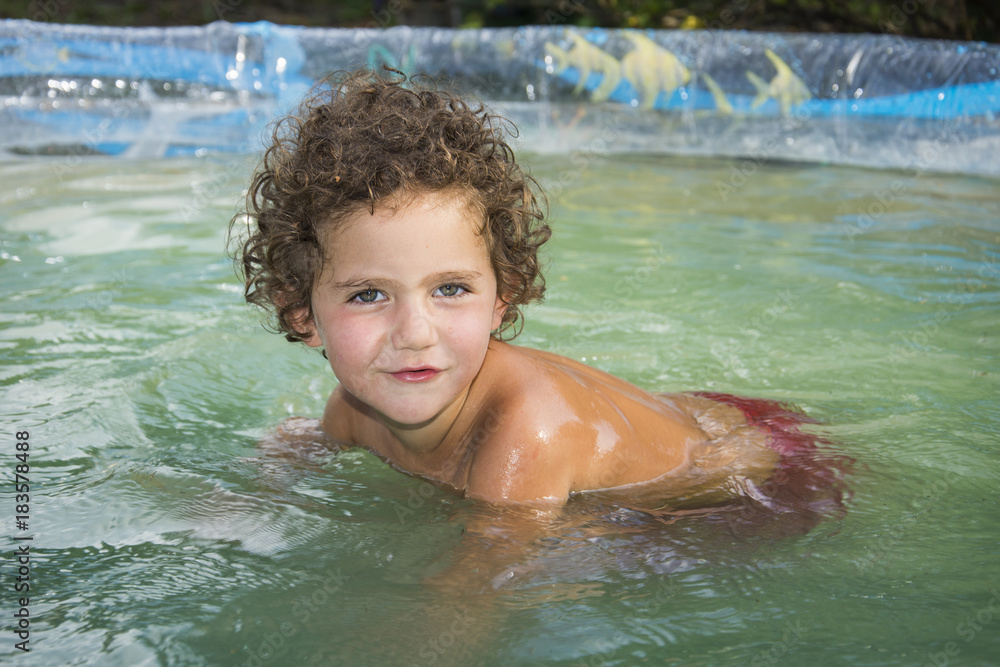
{"x": 360, "y": 139}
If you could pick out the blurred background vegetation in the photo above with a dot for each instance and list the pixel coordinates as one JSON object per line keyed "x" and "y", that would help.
{"x": 940, "y": 19}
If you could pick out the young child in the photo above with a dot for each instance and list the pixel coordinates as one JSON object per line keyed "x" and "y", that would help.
{"x": 391, "y": 226}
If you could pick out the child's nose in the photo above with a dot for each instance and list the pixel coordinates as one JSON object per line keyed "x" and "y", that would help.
{"x": 414, "y": 329}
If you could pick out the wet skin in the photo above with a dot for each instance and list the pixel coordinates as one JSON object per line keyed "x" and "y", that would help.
{"x": 404, "y": 309}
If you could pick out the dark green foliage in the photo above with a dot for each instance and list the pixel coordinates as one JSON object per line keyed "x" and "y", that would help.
{"x": 938, "y": 19}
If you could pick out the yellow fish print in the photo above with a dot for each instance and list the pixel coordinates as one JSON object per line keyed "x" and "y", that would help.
{"x": 722, "y": 104}
{"x": 785, "y": 88}
{"x": 652, "y": 69}
{"x": 587, "y": 59}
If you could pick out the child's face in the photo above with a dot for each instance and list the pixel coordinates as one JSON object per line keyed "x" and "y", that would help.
{"x": 406, "y": 304}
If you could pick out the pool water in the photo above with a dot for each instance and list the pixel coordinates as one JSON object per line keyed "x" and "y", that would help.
{"x": 162, "y": 536}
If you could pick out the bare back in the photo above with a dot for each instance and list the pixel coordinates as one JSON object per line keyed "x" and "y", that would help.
{"x": 537, "y": 427}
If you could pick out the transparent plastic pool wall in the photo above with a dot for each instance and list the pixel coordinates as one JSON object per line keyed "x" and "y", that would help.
{"x": 871, "y": 100}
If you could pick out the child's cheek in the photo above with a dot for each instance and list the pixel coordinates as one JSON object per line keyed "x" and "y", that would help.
{"x": 468, "y": 336}
{"x": 367, "y": 328}
{"x": 352, "y": 336}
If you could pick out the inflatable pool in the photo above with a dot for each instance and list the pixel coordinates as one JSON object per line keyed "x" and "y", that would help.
{"x": 868, "y": 100}
{"x": 137, "y": 385}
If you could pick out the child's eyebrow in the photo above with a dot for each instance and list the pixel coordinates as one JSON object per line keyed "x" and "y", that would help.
{"x": 361, "y": 282}
{"x": 455, "y": 277}
{"x": 357, "y": 283}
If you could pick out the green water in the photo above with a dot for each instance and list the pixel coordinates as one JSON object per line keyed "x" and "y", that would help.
{"x": 161, "y": 536}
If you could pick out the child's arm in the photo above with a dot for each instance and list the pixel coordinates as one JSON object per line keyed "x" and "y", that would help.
{"x": 299, "y": 437}
{"x": 295, "y": 449}
{"x": 466, "y": 603}
{"x": 497, "y": 544}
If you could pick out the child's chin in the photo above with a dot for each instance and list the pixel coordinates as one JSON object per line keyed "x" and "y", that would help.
{"x": 411, "y": 416}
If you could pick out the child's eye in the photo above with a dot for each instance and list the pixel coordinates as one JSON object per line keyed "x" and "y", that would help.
{"x": 450, "y": 290}
{"x": 368, "y": 296}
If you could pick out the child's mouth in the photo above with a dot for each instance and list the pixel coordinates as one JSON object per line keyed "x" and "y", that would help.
{"x": 415, "y": 374}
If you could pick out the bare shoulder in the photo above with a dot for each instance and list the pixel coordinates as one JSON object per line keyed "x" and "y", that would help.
{"x": 519, "y": 453}
{"x": 520, "y": 465}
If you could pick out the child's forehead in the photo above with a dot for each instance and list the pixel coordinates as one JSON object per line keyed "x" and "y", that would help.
{"x": 404, "y": 206}
{"x": 406, "y": 214}
{"x": 420, "y": 237}
{"x": 452, "y": 198}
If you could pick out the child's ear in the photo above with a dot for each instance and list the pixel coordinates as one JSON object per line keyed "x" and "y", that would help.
{"x": 300, "y": 321}
{"x": 499, "y": 308}
{"x": 303, "y": 324}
